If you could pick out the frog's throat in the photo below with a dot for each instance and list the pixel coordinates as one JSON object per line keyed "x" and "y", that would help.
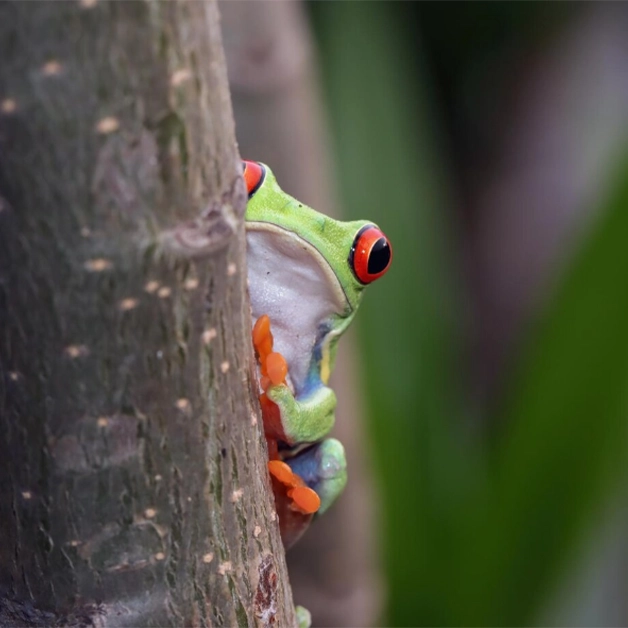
{"x": 326, "y": 306}
{"x": 340, "y": 297}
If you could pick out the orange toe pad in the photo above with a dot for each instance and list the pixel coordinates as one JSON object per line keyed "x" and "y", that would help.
{"x": 304, "y": 499}
{"x": 272, "y": 364}
{"x": 282, "y": 472}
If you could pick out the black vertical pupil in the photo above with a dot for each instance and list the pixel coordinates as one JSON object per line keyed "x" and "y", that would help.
{"x": 379, "y": 257}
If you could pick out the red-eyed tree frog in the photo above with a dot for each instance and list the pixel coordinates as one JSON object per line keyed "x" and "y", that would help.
{"x": 307, "y": 273}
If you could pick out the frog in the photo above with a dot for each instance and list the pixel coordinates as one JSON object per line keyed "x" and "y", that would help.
{"x": 306, "y": 273}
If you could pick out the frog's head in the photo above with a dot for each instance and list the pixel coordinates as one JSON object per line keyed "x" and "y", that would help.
{"x": 352, "y": 254}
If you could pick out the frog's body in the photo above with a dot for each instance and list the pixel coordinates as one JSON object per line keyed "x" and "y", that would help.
{"x": 307, "y": 273}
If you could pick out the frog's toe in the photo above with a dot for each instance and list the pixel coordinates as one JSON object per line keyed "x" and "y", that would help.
{"x": 282, "y": 472}
{"x": 262, "y": 336}
{"x": 304, "y": 617}
{"x": 293, "y": 522}
{"x": 303, "y": 498}
{"x": 283, "y": 397}
{"x": 277, "y": 368}
{"x": 273, "y": 365}
{"x": 323, "y": 468}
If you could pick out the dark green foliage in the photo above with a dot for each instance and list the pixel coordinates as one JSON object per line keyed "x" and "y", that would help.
{"x": 477, "y": 530}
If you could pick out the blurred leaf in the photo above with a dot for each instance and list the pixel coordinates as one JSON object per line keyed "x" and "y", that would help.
{"x": 470, "y": 538}
{"x": 391, "y": 172}
{"x": 566, "y": 446}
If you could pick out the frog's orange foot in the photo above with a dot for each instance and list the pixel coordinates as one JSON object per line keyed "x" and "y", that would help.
{"x": 303, "y": 498}
{"x": 262, "y": 337}
{"x": 272, "y": 364}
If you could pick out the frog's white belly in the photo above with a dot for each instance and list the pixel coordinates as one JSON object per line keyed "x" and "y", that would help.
{"x": 291, "y": 282}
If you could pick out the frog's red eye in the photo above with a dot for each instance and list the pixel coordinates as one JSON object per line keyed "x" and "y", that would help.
{"x": 253, "y": 176}
{"x": 370, "y": 255}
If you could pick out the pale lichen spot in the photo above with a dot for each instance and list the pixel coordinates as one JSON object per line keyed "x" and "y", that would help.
{"x": 257, "y": 531}
{"x": 27, "y": 495}
{"x": 149, "y": 513}
{"x": 190, "y": 284}
{"x": 14, "y": 376}
{"x": 180, "y": 76}
{"x": 232, "y": 269}
{"x": 209, "y": 335}
{"x": 183, "y": 403}
{"x": 160, "y": 556}
{"x": 76, "y": 351}
{"x": 164, "y": 292}
{"x": 189, "y": 499}
{"x": 98, "y": 265}
{"x": 224, "y": 366}
{"x": 128, "y": 304}
{"x": 207, "y": 558}
{"x": 236, "y": 496}
{"x": 158, "y": 478}
{"x": 74, "y": 543}
{"x": 102, "y": 421}
{"x": 253, "y": 419}
{"x": 225, "y": 568}
{"x": 51, "y": 68}
{"x": 107, "y": 125}
{"x": 8, "y": 105}
{"x": 86, "y": 232}
{"x": 273, "y": 515}
{"x": 151, "y": 287}
{"x": 126, "y": 565}
{"x": 88, "y": 4}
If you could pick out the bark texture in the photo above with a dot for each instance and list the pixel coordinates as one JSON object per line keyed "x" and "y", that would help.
{"x": 133, "y": 488}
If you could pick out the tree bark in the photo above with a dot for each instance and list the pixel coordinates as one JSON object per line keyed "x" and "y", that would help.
{"x": 133, "y": 484}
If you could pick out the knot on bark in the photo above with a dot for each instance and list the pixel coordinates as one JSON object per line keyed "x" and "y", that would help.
{"x": 206, "y": 235}
{"x": 266, "y": 592}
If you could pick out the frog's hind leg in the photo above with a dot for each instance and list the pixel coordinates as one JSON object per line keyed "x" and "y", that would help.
{"x": 323, "y": 467}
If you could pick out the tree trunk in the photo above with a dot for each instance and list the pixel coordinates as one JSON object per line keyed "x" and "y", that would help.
{"x": 133, "y": 484}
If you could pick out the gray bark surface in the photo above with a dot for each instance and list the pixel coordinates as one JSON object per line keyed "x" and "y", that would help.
{"x": 133, "y": 484}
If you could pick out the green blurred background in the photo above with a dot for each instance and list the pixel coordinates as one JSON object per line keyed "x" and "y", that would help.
{"x": 489, "y": 141}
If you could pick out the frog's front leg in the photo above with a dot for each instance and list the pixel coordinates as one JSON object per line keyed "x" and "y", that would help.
{"x": 303, "y": 419}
